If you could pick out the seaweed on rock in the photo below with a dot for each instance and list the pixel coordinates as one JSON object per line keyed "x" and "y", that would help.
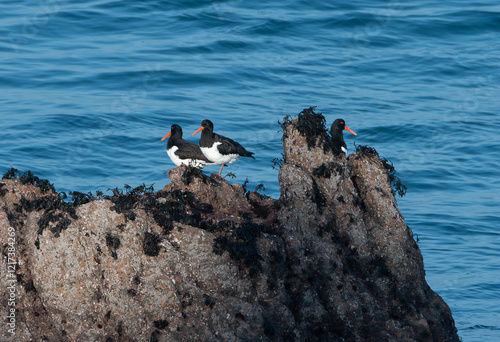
{"x": 2, "y": 190}
{"x": 311, "y": 125}
{"x": 80, "y": 198}
{"x": 151, "y": 244}
{"x": 29, "y": 178}
{"x": 241, "y": 244}
{"x": 125, "y": 202}
{"x": 397, "y": 185}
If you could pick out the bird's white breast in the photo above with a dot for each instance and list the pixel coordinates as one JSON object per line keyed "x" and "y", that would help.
{"x": 178, "y": 161}
{"x": 213, "y": 154}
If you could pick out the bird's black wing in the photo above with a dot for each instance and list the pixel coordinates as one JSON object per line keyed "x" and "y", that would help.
{"x": 229, "y": 146}
{"x": 188, "y": 150}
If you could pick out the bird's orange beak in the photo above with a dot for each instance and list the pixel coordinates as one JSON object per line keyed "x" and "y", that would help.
{"x": 350, "y": 130}
{"x": 166, "y": 136}
{"x": 198, "y": 130}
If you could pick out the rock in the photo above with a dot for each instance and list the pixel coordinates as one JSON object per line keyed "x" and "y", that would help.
{"x": 206, "y": 260}
{"x": 355, "y": 271}
{"x": 219, "y": 194}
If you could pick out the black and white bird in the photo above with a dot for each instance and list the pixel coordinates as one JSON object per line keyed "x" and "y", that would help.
{"x": 184, "y": 152}
{"x": 339, "y": 144}
{"x": 217, "y": 148}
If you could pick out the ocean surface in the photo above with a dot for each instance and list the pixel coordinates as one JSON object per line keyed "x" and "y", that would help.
{"x": 88, "y": 89}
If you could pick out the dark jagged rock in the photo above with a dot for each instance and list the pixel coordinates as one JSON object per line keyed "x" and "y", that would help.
{"x": 206, "y": 260}
{"x": 365, "y": 271}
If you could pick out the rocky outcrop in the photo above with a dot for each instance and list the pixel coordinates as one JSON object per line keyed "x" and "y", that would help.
{"x": 355, "y": 271}
{"x": 206, "y": 260}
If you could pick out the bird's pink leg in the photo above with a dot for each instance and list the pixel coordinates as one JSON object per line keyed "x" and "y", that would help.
{"x": 221, "y": 170}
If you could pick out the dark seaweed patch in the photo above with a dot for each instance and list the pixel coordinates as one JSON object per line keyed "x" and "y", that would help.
{"x": 175, "y": 205}
{"x": 113, "y": 243}
{"x": 160, "y": 324}
{"x": 184, "y": 207}
{"x": 56, "y": 211}
{"x": 161, "y": 212}
{"x": 261, "y": 210}
{"x": 11, "y": 174}
{"x": 322, "y": 171}
{"x": 125, "y": 202}
{"x": 218, "y": 226}
{"x": 260, "y": 206}
{"x": 245, "y": 183}
{"x": 119, "y": 329}
{"x": 163, "y": 207}
{"x": 317, "y": 197}
{"x": 29, "y": 178}
{"x": 312, "y": 126}
{"x": 80, "y": 198}
{"x": 364, "y": 149}
{"x": 63, "y": 224}
{"x": 209, "y": 301}
{"x": 191, "y": 173}
{"x": 241, "y": 244}
{"x": 151, "y": 244}
{"x": 29, "y": 286}
{"x": 230, "y": 175}
{"x": 277, "y": 162}
{"x": 2, "y": 190}
{"x": 139, "y": 190}
{"x": 50, "y": 216}
{"x": 43, "y": 203}
{"x": 397, "y": 186}
{"x": 155, "y": 336}
{"x": 260, "y": 187}
{"x": 358, "y": 202}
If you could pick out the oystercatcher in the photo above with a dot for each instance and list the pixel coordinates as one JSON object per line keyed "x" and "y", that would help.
{"x": 184, "y": 152}
{"x": 339, "y": 144}
{"x": 217, "y": 148}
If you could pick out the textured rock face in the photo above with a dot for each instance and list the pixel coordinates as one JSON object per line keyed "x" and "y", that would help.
{"x": 356, "y": 272}
{"x": 204, "y": 260}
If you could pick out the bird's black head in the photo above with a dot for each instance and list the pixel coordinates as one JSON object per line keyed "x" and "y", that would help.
{"x": 176, "y": 130}
{"x": 207, "y": 125}
{"x": 338, "y": 124}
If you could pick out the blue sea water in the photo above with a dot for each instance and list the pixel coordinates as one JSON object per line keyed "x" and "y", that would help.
{"x": 88, "y": 89}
